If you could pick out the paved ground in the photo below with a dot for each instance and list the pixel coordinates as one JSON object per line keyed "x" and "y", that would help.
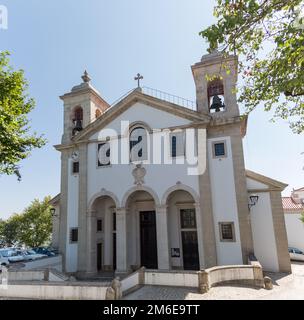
{"x": 287, "y": 287}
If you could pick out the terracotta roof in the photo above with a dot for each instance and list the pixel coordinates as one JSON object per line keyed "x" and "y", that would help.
{"x": 290, "y": 205}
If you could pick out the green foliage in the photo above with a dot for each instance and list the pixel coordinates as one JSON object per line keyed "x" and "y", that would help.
{"x": 302, "y": 217}
{"x": 268, "y": 36}
{"x": 15, "y": 141}
{"x": 32, "y": 228}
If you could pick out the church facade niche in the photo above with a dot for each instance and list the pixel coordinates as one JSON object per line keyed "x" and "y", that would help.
{"x": 216, "y": 97}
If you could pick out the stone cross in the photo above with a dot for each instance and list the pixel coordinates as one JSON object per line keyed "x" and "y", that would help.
{"x": 138, "y": 78}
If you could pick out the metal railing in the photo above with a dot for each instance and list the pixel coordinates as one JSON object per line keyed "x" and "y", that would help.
{"x": 186, "y": 103}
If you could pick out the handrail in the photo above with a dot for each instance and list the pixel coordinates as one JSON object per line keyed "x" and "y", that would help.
{"x": 186, "y": 103}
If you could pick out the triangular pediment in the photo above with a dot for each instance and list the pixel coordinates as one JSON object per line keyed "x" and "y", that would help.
{"x": 133, "y": 98}
{"x": 270, "y": 183}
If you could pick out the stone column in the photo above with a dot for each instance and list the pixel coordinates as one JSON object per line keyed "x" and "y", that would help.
{"x": 200, "y": 238}
{"x": 91, "y": 244}
{"x": 121, "y": 241}
{"x": 82, "y": 209}
{"x": 63, "y": 229}
{"x": 162, "y": 238}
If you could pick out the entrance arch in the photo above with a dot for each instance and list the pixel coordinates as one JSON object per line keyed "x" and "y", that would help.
{"x": 140, "y": 204}
{"x": 101, "y": 233}
{"x": 183, "y": 228}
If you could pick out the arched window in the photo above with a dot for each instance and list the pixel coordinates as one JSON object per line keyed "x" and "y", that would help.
{"x": 138, "y": 144}
{"x": 216, "y": 95}
{"x": 78, "y": 114}
{"x": 173, "y": 147}
{"x": 77, "y": 120}
{"x": 97, "y": 113}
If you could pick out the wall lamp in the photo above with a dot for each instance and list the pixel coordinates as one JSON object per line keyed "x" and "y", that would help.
{"x": 254, "y": 198}
{"x": 53, "y": 212}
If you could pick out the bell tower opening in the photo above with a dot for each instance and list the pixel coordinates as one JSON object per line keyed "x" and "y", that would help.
{"x": 77, "y": 120}
{"x": 216, "y": 96}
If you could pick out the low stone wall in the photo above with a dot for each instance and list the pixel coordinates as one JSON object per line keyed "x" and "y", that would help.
{"x": 172, "y": 278}
{"x": 54, "y": 291}
{"x": 235, "y": 274}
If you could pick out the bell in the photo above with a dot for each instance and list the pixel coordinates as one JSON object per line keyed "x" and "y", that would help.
{"x": 78, "y": 126}
{"x": 217, "y": 104}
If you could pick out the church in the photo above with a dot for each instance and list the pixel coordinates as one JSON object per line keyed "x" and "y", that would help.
{"x": 158, "y": 181}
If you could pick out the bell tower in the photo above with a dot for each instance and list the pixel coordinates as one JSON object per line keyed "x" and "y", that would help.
{"x": 215, "y": 78}
{"x": 82, "y": 105}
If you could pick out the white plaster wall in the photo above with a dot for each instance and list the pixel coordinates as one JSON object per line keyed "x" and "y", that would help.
{"x": 264, "y": 243}
{"x": 295, "y": 230}
{"x": 72, "y": 220}
{"x": 224, "y": 203}
{"x": 155, "y": 118}
{"x": 158, "y": 177}
{"x": 252, "y": 184}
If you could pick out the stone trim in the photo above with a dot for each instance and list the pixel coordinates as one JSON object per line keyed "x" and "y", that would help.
{"x": 213, "y": 143}
{"x": 63, "y": 231}
{"x": 83, "y": 249}
{"x": 221, "y": 234}
{"x": 268, "y": 181}
{"x": 280, "y": 231}
{"x": 241, "y": 193}
{"x": 207, "y": 219}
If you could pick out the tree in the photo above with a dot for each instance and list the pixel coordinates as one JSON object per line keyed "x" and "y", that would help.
{"x": 32, "y": 228}
{"x": 268, "y": 37}
{"x": 15, "y": 105}
{"x": 36, "y": 224}
{"x": 9, "y": 231}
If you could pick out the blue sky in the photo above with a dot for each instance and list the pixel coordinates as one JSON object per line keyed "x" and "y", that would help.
{"x": 54, "y": 41}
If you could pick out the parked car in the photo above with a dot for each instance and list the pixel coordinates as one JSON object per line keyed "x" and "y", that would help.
{"x": 45, "y": 251}
{"x": 4, "y": 257}
{"x": 31, "y": 255}
{"x": 296, "y": 254}
{"x": 15, "y": 256}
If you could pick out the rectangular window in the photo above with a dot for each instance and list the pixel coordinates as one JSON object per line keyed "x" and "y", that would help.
{"x": 99, "y": 225}
{"x": 177, "y": 144}
{"x": 219, "y": 149}
{"x": 74, "y": 235}
{"x": 114, "y": 221}
{"x": 75, "y": 167}
{"x": 188, "y": 220}
{"x": 227, "y": 231}
{"x": 104, "y": 154}
{"x": 173, "y": 147}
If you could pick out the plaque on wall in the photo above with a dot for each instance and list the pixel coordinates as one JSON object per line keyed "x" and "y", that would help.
{"x": 175, "y": 252}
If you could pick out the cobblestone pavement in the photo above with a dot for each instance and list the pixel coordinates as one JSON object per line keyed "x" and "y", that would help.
{"x": 284, "y": 287}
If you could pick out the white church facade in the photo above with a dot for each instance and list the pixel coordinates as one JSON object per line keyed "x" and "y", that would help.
{"x": 130, "y": 197}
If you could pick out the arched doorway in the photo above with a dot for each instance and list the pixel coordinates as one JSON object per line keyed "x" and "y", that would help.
{"x": 102, "y": 234}
{"x": 141, "y": 230}
{"x": 182, "y": 225}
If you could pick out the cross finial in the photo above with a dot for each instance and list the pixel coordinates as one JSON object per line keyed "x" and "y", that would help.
{"x": 86, "y": 78}
{"x": 138, "y": 78}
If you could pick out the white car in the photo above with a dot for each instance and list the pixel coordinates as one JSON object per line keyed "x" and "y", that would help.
{"x": 296, "y": 254}
{"x": 15, "y": 256}
{"x": 4, "y": 258}
{"x": 31, "y": 255}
